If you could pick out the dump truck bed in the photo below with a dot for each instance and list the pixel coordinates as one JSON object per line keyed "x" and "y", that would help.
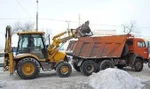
{"x": 71, "y": 45}
{"x": 99, "y": 47}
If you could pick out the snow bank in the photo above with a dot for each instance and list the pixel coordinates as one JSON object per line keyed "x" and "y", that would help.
{"x": 114, "y": 79}
{"x": 2, "y": 84}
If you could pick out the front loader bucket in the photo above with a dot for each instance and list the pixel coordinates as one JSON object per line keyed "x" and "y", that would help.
{"x": 84, "y": 30}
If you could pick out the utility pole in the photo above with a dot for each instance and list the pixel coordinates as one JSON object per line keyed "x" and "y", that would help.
{"x": 79, "y": 19}
{"x": 37, "y": 16}
{"x": 68, "y": 22}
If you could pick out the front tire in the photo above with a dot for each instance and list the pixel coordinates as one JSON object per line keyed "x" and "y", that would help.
{"x": 88, "y": 67}
{"x": 64, "y": 69}
{"x": 28, "y": 68}
{"x": 138, "y": 64}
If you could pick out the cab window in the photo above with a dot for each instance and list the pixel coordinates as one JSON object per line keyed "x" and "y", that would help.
{"x": 141, "y": 44}
{"x": 37, "y": 41}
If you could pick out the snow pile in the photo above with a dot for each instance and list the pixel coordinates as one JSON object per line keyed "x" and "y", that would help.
{"x": 114, "y": 79}
{"x": 2, "y": 84}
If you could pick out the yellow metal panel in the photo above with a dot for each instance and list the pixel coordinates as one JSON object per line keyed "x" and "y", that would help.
{"x": 59, "y": 56}
{"x": 22, "y": 33}
{"x": 19, "y": 56}
{"x": 11, "y": 63}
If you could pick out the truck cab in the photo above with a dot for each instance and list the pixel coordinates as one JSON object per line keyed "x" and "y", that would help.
{"x": 138, "y": 46}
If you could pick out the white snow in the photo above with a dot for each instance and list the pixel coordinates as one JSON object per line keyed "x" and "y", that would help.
{"x": 114, "y": 79}
{"x": 2, "y": 84}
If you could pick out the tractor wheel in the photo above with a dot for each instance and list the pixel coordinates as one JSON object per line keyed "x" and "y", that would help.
{"x": 138, "y": 64}
{"x": 106, "y": 64}
{"x": 28, "y": 68}
{"x": 77, "y": 68}
{"x": 64, "y": 69}
{"x": 88, "y": 67}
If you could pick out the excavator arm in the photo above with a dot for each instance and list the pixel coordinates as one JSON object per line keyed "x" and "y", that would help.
{"x": 82, "y": 31}
{"x": 8, "y": 55}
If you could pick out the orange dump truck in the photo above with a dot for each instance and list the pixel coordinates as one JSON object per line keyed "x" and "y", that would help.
{"x": 91, "y": 54}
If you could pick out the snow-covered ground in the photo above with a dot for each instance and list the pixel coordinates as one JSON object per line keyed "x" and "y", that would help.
{"x": 109, "y": 79}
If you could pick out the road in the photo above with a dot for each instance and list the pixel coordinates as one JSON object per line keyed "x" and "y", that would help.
{"x": 50, "y": 80}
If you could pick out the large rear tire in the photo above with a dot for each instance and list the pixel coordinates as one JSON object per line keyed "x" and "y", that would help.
{"x": 138, "y": 64}
{"x": 88, "y": 67}
{"x": 28, "y": 68}
{"x": 106, "y": 64}
{"x": 64, "y": 69}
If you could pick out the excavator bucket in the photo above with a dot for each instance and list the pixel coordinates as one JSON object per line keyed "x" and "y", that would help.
{"x": 83, "y": 30}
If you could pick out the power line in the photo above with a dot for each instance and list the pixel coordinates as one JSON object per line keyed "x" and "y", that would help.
{"x": 53, "y": 19}
{"x": 70, "y": 22}
{"x": 14, "y": 18}
{"x": 23, "y": 8}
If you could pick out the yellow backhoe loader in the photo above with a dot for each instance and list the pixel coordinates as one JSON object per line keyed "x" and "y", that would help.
{"x": 32, "y": 53}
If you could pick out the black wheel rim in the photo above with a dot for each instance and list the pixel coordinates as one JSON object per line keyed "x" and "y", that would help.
{"x": 138, "y": 65}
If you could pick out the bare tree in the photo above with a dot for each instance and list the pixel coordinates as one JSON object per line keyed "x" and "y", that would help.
{"x": 130, "y": 28}
{"x": 48, "y": 35}
{"x": 28, "y": 26}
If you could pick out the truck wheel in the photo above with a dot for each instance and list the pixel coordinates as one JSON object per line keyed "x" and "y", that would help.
{"x": 119, "y": 66}
{"x": 63, "y": 69}
{"x": 88, "y": 67}
{"x": 125, "y": 51}
{"x": 106, "y": 64}
{"x": 28, "y": 68}
{"x": 138, "y": 64}
{"x": 77, "y": 68}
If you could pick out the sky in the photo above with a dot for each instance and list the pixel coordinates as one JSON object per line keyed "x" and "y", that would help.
{"x": 53, "y": 14}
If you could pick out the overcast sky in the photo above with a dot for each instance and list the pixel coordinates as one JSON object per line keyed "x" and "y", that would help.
{"x": 102, "y": 14}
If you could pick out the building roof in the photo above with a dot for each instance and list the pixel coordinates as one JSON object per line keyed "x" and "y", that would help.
{"x": 104, "y": 32}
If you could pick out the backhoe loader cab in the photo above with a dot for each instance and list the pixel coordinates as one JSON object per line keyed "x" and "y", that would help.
{"x": 32, "y": 54}
{"x": 32, "y": 42}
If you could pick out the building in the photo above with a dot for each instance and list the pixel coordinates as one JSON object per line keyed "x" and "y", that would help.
{"x": 104, "y": 32}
